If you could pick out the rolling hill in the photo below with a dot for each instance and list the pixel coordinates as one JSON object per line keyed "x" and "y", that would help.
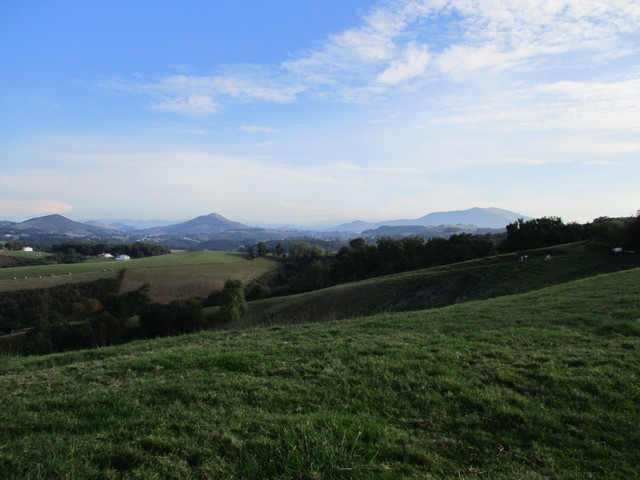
{"x": 58, "y": 224}
{"x": 536, "y": 385}
{"x": 480, "y": 279}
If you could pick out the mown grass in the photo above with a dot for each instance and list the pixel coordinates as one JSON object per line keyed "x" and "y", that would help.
{"x": 43, "y": 276}
{"x": 536, "y": 386}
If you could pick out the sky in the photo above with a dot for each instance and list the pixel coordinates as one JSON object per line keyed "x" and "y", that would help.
{"x": 316, "y": 112}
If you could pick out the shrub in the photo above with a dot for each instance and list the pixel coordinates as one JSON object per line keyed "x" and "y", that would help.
{"x": 232, "y": 302}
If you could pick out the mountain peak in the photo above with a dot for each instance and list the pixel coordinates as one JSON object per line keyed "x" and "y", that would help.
{"x": 210, "y": 223}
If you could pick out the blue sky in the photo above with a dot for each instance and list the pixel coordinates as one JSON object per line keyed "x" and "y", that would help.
{"x": 314, "y": 112}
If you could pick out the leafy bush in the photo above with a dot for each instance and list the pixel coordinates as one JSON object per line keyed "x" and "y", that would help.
{"x": 232, "y": 302}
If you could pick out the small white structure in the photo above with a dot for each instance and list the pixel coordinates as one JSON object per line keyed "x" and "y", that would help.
{"x": 547, "y": 258}
{"x": 617, "y": 250}
{"x": 123, "y": 257}
{"x": 105, "y": 255}
{"x": 27, "y": 249}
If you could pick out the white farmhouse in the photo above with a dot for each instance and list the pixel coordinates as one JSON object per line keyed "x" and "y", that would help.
{"x": 123, "y": 257}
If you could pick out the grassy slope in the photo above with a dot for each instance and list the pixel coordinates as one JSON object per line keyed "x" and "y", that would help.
{"x": 537, "y": 386}
{"x": 194, "y": 280}
{"x": 159, "y": 270}
{"x": 435, "y": 287}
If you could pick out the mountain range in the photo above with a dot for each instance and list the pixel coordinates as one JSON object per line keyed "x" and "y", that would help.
{"x": 478, "y": 217}
{"x": 214, "y": 227}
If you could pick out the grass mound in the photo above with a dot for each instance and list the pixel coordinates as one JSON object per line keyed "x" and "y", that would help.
{"x": 538, "y": 385}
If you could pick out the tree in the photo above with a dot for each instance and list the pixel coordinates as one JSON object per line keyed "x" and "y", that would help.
{"x": 232, "y": 302}
{"x": 262, "y": 249}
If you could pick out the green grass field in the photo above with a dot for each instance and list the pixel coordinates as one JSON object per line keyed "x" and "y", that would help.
{"x": 541, "y": 385}
{"x": 187, "y": 274}
{"x": 168, "y": 282}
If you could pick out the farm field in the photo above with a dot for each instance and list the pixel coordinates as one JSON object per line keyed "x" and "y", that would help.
{"x": 538, "y": 385}
{"x": 177, "y": 268}
{"x": 194, "y": 280}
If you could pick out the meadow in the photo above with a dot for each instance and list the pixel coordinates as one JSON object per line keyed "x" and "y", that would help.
{"x": 538, "y": 385}
{"x": 170, "y": 276}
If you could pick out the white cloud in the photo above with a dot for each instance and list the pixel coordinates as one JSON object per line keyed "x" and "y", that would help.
{"x": 198, "y": 95}
{"x": 398, "y": 43}
{"x": 563, "y": 106}
{"x": 189, "y": 106}
{"x": 412, "y": 64}
{"x": 258, "y": 129}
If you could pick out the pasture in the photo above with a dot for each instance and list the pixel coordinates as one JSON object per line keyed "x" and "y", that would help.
{"x": 437, "y": 287}
{"x": 533, "y": 386}
{"x": 168, "y": 282}
{"x": 169, "y": 275}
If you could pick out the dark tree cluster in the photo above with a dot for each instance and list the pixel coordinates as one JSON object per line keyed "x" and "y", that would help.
{"x": 136, "y": 250}
{"x": 119, "y": 318}
{"x": 180, "y": 316}
{"x": 541, "y": 232}
{"x": 547, "y": 231}
{"x": 14, "y": 246}
{"x": 29, "y": 308}
{"x": 360, "y": 260}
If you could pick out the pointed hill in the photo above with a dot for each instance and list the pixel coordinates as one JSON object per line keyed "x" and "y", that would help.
{"x": 212, "y": 223}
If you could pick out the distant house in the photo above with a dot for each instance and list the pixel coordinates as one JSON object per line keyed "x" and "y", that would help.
{"x": 105, "y": 255}
{"x": 27, "y": 249}
{"x": 123, "y": 257}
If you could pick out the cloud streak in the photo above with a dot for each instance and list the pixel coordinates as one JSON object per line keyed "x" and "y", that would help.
{"x": 395, "y": 46}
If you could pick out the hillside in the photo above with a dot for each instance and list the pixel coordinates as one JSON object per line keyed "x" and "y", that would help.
{"x": 436, "y": 287}
{"x": 539, "y": 385}
{"x": 184, "y": 274}
{"x": 212, "y": 223}
{"x": 58, "y": 224}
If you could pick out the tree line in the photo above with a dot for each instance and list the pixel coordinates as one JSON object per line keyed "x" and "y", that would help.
{"x": 309, "y": 267}
{"x": 106, "y": 317}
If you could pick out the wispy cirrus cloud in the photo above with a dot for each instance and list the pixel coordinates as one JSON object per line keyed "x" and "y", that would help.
{"x": 197, "y": 95}
{"x": 577, "y": 106}
{"x": 258, "y": 129}
{"x": 402, "y": 44}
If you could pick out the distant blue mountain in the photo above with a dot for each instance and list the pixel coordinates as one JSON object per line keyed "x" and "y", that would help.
{"x": 479, "y": 217}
